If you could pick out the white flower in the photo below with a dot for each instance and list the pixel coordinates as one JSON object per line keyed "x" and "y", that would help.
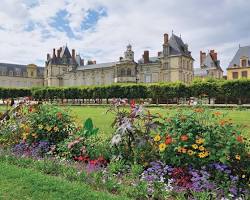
{"x": 116, "y": 139}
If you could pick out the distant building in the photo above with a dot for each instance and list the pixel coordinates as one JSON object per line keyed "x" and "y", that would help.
{"x": 14, "y": 75}
{"x": 209, "y": 66}
{"x": 239, "y": 67}
{"x": 65, "y": 68}
{"x": 173, "y": 63}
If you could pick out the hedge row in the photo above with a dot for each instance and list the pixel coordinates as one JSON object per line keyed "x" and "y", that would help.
{"x": 236, "y": 90}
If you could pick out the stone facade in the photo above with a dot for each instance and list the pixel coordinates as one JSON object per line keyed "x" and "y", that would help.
{"x": 209, "y": 66}
{"x": 239, "y": 67}
{"x": 65, "y": 68}
{"x": 13, "y": 75}
{"x": 173, "y": 63}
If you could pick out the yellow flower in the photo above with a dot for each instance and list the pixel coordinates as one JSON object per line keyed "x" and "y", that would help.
{"x": 200, "y": 141}
{"x": 194, "y": 146}
{"x": 201, "y": 148}
{"x": 190, "y": 152}
{"x": 179, "y": 149}
{"x": 56, "y": 129}
{"x": 157, "y": 138}
{"x": 201, "y": 155}
{"x": 34, "y": 135}
{"x": 40, "y": 126}
{"x": 48, "y": 128}
{"x": 237, "y": 157}
{"x": 162, "y": 147}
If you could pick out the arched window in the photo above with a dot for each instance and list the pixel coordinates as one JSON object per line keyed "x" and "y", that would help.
{"x": 123, "y": 72}
{"x": 129, "y": 72}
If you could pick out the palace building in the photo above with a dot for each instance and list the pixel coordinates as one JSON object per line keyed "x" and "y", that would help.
{"x": 66, "y": 68}
{"x": 14, "y": 75}
{"x": 173, "y": 63}
{"x": 239, "y": 67}
{"x": 209, "y": 66}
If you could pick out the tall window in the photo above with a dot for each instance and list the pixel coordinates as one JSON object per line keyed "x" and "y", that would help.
{"x": 129, "y": 72}
{"x": 235, "y": 75}
{"x": 10, "y": 73}
{"x": 148, "y": 78}
{"x": 122, "y": 72}
{"x": 244, "y": 74}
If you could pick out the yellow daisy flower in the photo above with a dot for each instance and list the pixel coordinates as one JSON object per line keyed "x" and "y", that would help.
{"x": 199, "y": 141}
{"x": 194, "y": 146}
{"x": 56, "y": 129}
{"x": 157, "y": 138}
{"x": 48, "y": 128}
{"x": 162, "y": 147}
{"x": 201, "y": 148}
{"x": 40, "y": 126}
{"x": 190, "y": 152}
{"x": 237, "y": 157}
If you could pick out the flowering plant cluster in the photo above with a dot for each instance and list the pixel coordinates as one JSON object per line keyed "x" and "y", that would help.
{"x": 198, "y": 137}
{"x": 36, "y": 150}
{"x": 216, "y": 178}
{"x": 131, "y": 140}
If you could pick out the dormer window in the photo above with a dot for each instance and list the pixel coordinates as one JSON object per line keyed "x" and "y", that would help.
{"x": 243, "y": 63}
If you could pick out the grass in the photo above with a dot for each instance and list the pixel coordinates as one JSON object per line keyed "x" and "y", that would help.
{"x": 103, "y": 120}
{"x": 20, "y": 184}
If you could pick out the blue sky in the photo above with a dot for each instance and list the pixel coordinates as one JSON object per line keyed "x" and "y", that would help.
{"x": 101, "y": 29}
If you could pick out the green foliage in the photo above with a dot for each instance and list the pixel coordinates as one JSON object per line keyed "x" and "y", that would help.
{"x": 88, "y": 128}
{"x": 199, "y": 138}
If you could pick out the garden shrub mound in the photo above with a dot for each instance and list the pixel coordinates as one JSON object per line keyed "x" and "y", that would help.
{"x": 194, "y": 153}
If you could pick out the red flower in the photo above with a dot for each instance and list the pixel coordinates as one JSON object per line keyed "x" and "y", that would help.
{"x": 239, "y": 139}
{"x": 169, "y": 140}
{"x": 132, "y": 103}
{"x": 184, "y": 138}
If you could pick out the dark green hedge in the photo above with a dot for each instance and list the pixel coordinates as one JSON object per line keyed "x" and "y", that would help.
{"x": 236, "y": 90}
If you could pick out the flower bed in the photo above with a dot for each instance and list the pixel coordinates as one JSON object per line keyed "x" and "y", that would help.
{"x": 195, "y": 153}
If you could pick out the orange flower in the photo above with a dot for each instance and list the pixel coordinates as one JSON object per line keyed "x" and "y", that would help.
{"x": 199, "y": 110}
{"x": 184, "y": 150}
{"x": 59, "y": 115}
{"x": 239, "y": 139}
{"x": 184, "y": 138}
{"x": 223, "y": 122}
{"x": 169, "y": 140}
{"x": 217, "y": 113}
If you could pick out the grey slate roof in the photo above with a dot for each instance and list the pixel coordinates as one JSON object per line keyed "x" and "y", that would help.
{"x": 242, "y": 51}
{"x": 177, "y": 46}
{"x": 97, "y": 66}
{"x": 151, "y": 60}
{"x": 7, "y": 67}
{"x": 200, "y": 72}
{"x": 209, "y": 63}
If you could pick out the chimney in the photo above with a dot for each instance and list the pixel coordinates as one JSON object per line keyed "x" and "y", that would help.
{"x": 165, "y": 38}
{"x": 213, "y": 55}
{"x": 159, "y": 53}
{"x": 121, "y": 58}
{"x": 58, "y": 53}
{"x": 48, "y": 56}
{"x": 82, "y": 62}
{"x": 202, "y": 57}
{"x": 73, "y": 54}
{"x": 54, "y": 53}
{"x": 146, "y": 56}
{"x": 94, "y": 61}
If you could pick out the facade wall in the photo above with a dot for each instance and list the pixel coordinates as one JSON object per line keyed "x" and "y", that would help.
{"x": 7, "y": 81}
{"x": 240, "y": 72}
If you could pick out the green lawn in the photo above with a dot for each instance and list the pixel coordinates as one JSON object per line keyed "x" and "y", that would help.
{"x": 21, "y": 184}
{"x": 103, "y": 120}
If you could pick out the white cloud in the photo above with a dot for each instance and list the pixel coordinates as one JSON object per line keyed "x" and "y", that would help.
{"x": 208, "y": 24}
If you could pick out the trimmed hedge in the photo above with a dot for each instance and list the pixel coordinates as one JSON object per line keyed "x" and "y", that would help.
{"x": 236, "y": 91}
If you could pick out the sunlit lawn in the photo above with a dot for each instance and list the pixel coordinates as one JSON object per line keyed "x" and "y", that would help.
{"x": 103, "y": 120}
